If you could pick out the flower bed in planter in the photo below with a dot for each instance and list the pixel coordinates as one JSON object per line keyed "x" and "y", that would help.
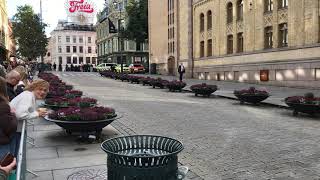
{"x": 73, "y": 93}
{"x": 124, "y": 77}
{"x": 108, "y": 74}
{"x": 159, "y": 83}
{"x": 63, "y": 102}
{"x": 83, "y": 120}
{"x": 134, "y": 79}
{"x": 83, "y": 114}
{"x": 308, "y": 104}
{"x": 251, "y": 95}
{"x": 176, "y": 85}
{"x": 146, "y": 80}
{"x": 203, "y": 89}
{"x": 56, "y": 92}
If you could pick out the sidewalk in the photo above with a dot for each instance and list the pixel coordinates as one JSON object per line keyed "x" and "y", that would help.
{"x": 278, "y": 94}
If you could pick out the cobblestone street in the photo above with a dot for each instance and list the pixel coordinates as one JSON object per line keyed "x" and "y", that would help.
{"x": 222, "y": 139}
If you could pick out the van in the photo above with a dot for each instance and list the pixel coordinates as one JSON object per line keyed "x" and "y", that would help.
{"x": 105, "y": 66}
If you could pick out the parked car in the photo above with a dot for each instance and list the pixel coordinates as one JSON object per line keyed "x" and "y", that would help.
{"x": 105, "y": 66}
{"x": 124, "y": 66}
{"x": 137, "y": 68}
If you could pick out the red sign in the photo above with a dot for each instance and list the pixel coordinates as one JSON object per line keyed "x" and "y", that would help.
{"x": 80, "y": 6}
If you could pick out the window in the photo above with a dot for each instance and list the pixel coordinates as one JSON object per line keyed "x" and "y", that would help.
{"x": 59, "y": 49}
{"x": 80, "y": 39}
{"x": 59, "y": 38}
{"x": 240, "y": 10}
{"x": 283, "y": 35}
{"x": 80, "y": 60}
{"x": 68, "y": 49}
{"x": 89, "y": 39}
{"x": 88, "y": 60}
{"x": 89, "y": 49}
{"x": 240, "y": 42}
{"x": 173, "y": 47}
{"x": 81, "y": 49}
{"x": 209, "y": 48}
{"x": 268, "y": 38}
{"x": 209, "y": 20}
{"x": 60, "y": 60}
{"x": 74, "y": 39}
{"x": 68, "y": 60}
{"x": 74, "y": 60}
{"x": 283, "y": 4}
{"x": 229, "y": 13}
{"x": 202, "y": 49}
{"x": 74, "y": 49}
{"x": 230, "y": 44}
{"x": 201, "y": 22}
{"x": 67, "y": 38}
{"x": 94, "y": 60}
{"x": 268, "y": 5}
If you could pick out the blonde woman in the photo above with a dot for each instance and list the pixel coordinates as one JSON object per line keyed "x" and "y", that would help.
{"x": 25, "y": 106}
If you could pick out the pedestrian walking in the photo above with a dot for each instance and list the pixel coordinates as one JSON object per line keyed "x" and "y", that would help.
{"x": 181, "y": 71}
{"x": 54, "y": 66}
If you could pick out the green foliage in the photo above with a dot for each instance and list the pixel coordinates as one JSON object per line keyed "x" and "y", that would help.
{"x": 137, "y": 26}
{"x": 29, "y": 33}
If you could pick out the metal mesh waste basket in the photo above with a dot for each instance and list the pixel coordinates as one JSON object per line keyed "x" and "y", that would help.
{"x": 143, "y": 157}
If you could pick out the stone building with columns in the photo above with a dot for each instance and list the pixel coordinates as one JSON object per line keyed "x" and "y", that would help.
{"x": 256, "y": 41}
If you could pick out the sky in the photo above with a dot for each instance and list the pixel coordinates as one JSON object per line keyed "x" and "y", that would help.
{"x": 52, "y": 10}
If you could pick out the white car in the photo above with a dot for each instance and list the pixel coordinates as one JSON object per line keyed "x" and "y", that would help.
{"x": 105, "y": 66}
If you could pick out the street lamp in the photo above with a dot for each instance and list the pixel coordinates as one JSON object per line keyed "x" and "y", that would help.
{"x": 115, "y": 3}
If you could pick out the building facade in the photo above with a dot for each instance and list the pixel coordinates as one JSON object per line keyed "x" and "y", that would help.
{"x": 111, "y": 47}
{"x": 72, "y": 44}
{"x": 11, "y": 44}
{"x": 256, "y": 41}
{"x": 4, "y": 32}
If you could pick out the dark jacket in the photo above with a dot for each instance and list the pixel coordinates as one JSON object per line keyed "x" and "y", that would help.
{"x": 8, "y": 122}
{"x": 10, "y": 90}
{"x": 20, "y": 89}
{"x": 180, "y": 70}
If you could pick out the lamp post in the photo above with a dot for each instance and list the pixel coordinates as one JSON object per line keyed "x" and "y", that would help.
{"x": 115, "y": 3}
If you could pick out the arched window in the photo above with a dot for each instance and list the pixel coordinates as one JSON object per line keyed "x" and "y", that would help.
{"x": 209, "y": 20}
{"x": 240, "y": 10}
{"x": 229, "y": 13}
{"x": 201, "y": 22}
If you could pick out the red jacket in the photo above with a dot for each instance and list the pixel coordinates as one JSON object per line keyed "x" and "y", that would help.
{"x": 8, "y": 122}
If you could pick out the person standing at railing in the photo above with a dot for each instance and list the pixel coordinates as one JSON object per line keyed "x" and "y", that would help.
{"x": 5, "y": 171}
{"x": 8, "y": 122}
{"x": 25, "y": 104}
{"x": 12, "y": 78}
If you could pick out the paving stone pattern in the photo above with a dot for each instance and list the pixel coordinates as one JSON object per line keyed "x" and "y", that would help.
{"x": 222, "y": 139}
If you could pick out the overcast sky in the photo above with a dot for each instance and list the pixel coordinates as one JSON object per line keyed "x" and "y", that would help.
{"x": 52, "y": 10}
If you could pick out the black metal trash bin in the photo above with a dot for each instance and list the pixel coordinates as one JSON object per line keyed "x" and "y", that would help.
{"x": 143, "y": 157}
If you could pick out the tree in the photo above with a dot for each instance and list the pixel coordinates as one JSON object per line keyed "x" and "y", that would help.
{"x": 137, "y": 26}
{"x": 29, "y": 33}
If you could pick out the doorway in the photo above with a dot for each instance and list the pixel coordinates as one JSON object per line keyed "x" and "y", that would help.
{"x": 171, "y": 66}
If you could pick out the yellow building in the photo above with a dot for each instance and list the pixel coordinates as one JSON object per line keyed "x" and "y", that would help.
{"x": 258, "y": 41}
{"x": 4, "y": 32}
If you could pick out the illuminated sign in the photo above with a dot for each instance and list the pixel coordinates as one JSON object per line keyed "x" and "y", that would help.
{"x": 79, "y": 6}
{"x": 80, "y": 11}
